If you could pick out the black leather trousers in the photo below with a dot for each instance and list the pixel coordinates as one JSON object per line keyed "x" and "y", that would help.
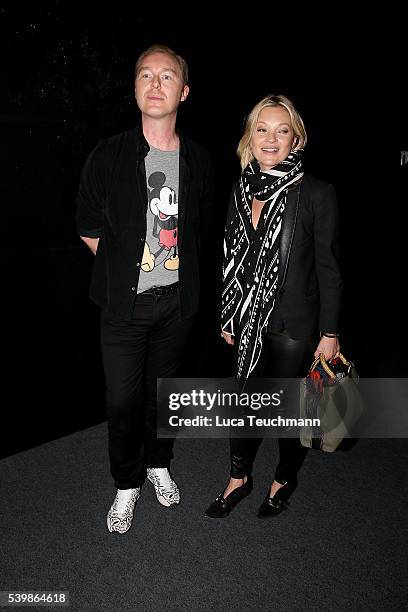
{"x": 282, "y": 357}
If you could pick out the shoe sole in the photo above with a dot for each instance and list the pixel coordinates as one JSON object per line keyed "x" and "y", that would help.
{"x": 267, "y": 516}
{"x": 117, "y": 530}
{"x": 216, "y": 518}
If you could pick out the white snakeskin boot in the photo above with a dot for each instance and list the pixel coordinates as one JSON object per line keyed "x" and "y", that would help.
{"x": 120, "y": 514}
{"x": 167, "y": 492}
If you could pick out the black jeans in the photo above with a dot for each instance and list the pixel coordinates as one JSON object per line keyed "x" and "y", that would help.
{"x": 135, "y": 353}
{"x": 282, "y": 357}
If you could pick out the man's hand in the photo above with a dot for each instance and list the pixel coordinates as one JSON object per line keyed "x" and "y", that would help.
{"x": 229, "y": 338}
{"x": 92, "y": 243}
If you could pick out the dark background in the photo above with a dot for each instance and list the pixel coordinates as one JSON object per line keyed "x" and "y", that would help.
{"x": 68, "y": 81}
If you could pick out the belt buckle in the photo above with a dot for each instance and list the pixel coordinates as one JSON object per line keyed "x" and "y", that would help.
{"x": 163, "y": 289}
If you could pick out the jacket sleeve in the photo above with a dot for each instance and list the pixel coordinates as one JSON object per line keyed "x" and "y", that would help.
{"x": 207, "y": 204}
{"x": 326, "y": 234}
{"x": 92, "y": 195}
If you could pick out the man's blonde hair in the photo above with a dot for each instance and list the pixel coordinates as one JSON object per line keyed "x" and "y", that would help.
{"x": 164, "y": 49}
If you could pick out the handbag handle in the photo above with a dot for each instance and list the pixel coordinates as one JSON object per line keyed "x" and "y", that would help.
{"x": 322, "y": 359}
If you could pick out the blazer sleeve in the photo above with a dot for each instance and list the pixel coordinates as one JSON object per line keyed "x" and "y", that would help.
{"x": 326, "y": 240}
{"x": 92, "y": 195}
{"x": 207, "y": 206}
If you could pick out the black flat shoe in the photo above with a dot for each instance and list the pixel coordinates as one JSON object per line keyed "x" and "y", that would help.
{"x": 271, "y": 506}
{"x": 220, "y": 508}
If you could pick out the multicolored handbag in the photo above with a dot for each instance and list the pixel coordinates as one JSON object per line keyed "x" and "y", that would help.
{"x": 331, "y": 403}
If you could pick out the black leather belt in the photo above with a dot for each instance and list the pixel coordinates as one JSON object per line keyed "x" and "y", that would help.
{"x": 162, "y": 290}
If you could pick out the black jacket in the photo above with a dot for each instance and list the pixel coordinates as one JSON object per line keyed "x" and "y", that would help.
{"x": 310, "y": 287}
{"x": 310, "y": 284}
{"x": 112, "y": 205}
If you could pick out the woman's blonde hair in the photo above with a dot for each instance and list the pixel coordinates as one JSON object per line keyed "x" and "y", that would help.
{"x": 164, "y": 49}
{"x": 244, "y": 147}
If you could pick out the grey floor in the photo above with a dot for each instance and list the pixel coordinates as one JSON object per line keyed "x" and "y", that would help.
{"x": 342, "y": 544}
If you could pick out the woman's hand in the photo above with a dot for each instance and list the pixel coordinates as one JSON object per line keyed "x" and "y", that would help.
{"x": 330, "y": 348}
{"x": 229, "y": 338}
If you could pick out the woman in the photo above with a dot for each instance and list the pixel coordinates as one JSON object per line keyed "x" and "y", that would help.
{"x": 282, "y": 283}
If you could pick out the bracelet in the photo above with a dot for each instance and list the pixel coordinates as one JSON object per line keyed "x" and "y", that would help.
{"x": 326, "y": 335}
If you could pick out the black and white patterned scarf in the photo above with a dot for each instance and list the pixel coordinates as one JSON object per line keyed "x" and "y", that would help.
{"x": 251, "y": 257}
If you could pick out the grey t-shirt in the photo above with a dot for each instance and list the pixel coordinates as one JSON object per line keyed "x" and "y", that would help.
{"x": 160, "y": 261}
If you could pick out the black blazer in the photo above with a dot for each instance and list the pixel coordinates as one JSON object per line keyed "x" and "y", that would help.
{"x": 112, "y": 205}
{"x": 310, "y": 284}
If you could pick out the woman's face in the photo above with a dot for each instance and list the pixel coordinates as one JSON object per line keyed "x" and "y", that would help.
{"x": 273, "y": 138}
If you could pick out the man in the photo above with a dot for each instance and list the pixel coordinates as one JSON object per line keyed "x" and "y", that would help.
{"x": 144, "y": 208}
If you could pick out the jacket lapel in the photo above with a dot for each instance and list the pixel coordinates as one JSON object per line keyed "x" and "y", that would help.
{"x": 138, "y": 148}
{"x": 287, "y": 232}
{"x": 184, "y": 182}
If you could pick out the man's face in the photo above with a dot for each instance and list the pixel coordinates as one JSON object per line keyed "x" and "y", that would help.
{"x": 159, "y": 85}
